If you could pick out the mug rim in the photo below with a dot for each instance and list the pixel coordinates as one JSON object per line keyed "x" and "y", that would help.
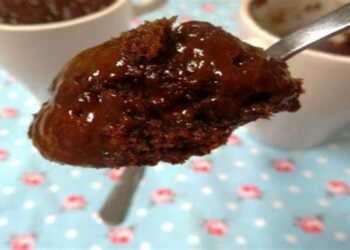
{"x": 65, "y": 23}
{"x": 253, "y": 25}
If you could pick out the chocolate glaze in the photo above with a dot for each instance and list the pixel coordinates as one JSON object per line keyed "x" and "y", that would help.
{"x": 159, "y": 93}
{"x": 46, "y": 11}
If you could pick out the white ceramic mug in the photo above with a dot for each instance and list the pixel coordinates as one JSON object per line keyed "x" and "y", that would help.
{"x": 326, "y": 102}
{"x": 35, "y": 53}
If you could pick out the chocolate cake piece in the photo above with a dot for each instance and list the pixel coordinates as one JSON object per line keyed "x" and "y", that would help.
{"x": 159, "y": 93}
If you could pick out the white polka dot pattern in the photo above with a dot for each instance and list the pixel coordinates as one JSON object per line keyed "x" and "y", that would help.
{"x": 244, "y": 195}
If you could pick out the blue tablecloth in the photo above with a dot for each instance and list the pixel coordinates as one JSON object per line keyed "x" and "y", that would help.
{"x": 242, "y": 196}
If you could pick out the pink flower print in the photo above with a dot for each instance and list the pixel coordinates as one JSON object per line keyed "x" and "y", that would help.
{"x": 283, "y": 166}
{"x": 12, "y": 79}
{"x": 115, "y": 174}
{"x": 216, "y": 227}
{"x": 121, "y": 235}
{"x": 33, "y": 178}
{"x": 23, "y": 242}
{"x": 311, "y": 224}
{"x": 233, "y": 140}
{"x": 163, "y": 196}
{"x": 201, "y": 166}
{"x": 186, "y": 18}
{"x": 249, "y": 192}
{"x": 208, "y": 7}
{"x": 336, "y": 187}
{"x": 235, "y": 16}
{"x": 8, "y": 112}
{"x": 74, "y": 201}
{"x": 135, "y": 22}
{"x": 3, "y": 154}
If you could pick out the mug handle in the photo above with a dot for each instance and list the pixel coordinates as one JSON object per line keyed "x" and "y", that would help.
{"x": 146, "y": 6}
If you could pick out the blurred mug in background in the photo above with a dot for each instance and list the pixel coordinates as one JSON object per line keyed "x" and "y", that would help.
{"x": 325, "y": 70}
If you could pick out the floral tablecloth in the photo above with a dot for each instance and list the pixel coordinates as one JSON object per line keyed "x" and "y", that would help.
{"x": 242, "y": 196}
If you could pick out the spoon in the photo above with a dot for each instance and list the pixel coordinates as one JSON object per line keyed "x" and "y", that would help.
{"x": 323, "y": 28}
{"x": 116, "y": 207}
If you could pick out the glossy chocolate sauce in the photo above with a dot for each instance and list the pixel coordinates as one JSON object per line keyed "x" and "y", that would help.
{"x": 46, "y": 11}
{"x": 159, "y": 93}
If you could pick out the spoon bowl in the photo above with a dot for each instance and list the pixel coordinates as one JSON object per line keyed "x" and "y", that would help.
{"x": 115, "y": 209}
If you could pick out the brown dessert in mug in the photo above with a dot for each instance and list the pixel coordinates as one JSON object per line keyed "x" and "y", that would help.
{"x": 47, "y": 11}
{"x": 282, "y": 21}
{"x": 159, "y": 93}
{"x": 339, "y": 44}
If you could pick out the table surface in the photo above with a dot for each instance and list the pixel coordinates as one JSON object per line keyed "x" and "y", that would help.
{"x": 244, "y": 195}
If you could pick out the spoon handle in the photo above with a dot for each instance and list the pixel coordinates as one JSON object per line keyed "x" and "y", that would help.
{"x": 329, "y": 25}
{"x": 116, "y": 207}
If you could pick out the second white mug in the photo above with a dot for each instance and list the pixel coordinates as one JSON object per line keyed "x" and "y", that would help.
{"x": 326, "y": 102}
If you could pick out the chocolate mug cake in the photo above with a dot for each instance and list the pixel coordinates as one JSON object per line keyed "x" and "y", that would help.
{"x": 159, "y": 93}
{"x": 47, "y": 11}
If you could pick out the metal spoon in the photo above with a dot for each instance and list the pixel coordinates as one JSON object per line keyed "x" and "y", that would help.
{"x": 117, "y": 205}
{"x": 325, "y": 27}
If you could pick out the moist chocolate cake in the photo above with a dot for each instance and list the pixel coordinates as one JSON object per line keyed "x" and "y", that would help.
{"x": 159, "y": 93}
{"x": 46, "y": 11}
